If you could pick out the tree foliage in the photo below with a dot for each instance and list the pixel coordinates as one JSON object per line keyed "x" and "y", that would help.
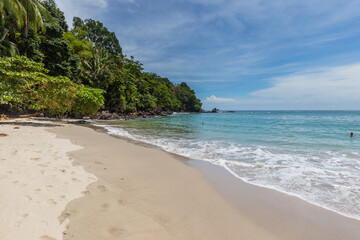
{"x": 25, "y": 85}
{"x": 98, "y": 34}
{"x": 75, "y": 71}
{"x": 54, "y": 47}
{"x": 23, "y": 15}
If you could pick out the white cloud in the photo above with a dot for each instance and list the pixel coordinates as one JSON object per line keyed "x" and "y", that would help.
{"x": 127, "y": 1}
{"x": 97, "y": 3}
{"x": 214, "y": 99}
{"x": 81, "y": 8}
{"x": 322, "y": 88}
{"x": 67, "y": 4}
{"x": 86, "y": 8}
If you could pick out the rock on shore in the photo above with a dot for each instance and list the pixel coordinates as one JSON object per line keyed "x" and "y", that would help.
{"x": 106, "y": 115}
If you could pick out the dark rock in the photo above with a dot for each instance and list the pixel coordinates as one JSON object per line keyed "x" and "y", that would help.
{"x": 114, "y": 116}
{"x": 104, "y": 115}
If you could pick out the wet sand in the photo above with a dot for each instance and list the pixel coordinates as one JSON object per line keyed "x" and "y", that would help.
{"x": 146, "y": 193}
{"x": 61, "y": 181}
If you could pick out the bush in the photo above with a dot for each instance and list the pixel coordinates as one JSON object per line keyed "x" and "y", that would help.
{"x": 25, "y": 85}
{"x": 88, "y": 101}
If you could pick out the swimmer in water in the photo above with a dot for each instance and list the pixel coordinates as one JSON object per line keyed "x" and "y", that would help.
{"x": 202, "y": 123}
{"x": 352, "y": 134}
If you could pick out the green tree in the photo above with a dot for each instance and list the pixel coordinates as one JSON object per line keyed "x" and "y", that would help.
{"x": 187, "y": 98}
{"x": 25, "y": 85}
{"x": 89, "y": 55}
{"x": 81, "y": 47}
{"x": 8, "y": 48}
{"x": 97, "y": 33}
{"x": 27, "y": 46}
{"x": 88, "y": 101}
{"x": 23, "y": 15}
{"x": 55, "y": 48}
{"x": 97, "y": 69}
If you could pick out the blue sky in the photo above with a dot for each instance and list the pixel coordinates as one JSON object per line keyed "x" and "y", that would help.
{"x": 242, "y": 54}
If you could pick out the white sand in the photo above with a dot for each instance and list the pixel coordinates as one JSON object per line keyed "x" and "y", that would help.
{"x": 141, "y": 193}
{"x": 37, "y": 181}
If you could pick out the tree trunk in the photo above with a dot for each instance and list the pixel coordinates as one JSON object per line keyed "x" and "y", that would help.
{"x": 4, "y": 34}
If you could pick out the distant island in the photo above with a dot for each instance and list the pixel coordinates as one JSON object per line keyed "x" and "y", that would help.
{"x": 47, "y": 68}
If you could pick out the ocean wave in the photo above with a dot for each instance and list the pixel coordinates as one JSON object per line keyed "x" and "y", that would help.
{"x": 327, "y": 179}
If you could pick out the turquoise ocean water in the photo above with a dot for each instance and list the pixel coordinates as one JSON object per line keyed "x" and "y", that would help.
{"x": 308, "y": 154}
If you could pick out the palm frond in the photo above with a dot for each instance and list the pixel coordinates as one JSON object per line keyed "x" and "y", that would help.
{"x": 8, "y": 49}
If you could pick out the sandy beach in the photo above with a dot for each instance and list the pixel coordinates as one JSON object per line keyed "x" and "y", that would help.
{"x": 61, "y": 181}
{"x": 37, "y": 181}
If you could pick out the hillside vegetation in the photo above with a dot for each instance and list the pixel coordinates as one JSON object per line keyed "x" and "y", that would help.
{"x": 46, "y": 67}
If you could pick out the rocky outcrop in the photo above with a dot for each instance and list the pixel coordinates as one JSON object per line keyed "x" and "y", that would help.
{"x": 106, "y": 115}
{"x": 3, "y": 117}
{"x": 214, "y": 110}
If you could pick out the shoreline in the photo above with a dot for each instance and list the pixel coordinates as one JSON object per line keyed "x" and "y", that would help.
{"x": 315, "y": 223}
{"x": 298, "y": 215}
{"x": 144, "y": 192}
{"x": 103, "y": 129}
{"x": 158, "y": 199}
{"x": 207, "y": 169}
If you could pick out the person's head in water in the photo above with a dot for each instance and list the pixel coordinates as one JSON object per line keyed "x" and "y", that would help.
{"x": 352, "y": 134}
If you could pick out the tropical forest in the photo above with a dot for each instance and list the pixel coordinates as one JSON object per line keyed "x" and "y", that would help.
{"x": 47, "y": 67}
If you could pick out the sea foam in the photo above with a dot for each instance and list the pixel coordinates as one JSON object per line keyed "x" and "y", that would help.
{"x": 275, "y": 152}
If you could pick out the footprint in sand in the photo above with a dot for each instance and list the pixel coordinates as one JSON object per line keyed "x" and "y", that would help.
{"x": 46, "y": 237}
{"x": 86, "y": 192}
{"x": 102, "y": 188}
{"x": 75, "y": 180}
{"x": 35, "y": 159}
{"x": 114, "y": 231}
{"x": 52, "y": 201}
{"x": 22, "y": 217}
{"x": 29, "y": 198}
